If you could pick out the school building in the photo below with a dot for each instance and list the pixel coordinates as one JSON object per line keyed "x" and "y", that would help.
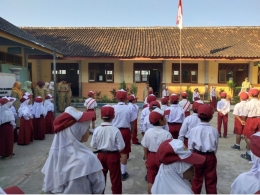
{"x": 100, "y": 58}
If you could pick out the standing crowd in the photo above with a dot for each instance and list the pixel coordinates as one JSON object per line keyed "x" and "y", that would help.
{"x": 179, "y": 143}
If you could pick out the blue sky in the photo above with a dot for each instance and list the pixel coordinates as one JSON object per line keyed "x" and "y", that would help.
{"x": 135, "y": 13}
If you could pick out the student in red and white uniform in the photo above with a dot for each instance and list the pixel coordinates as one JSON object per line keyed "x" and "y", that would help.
{"x": 124, "y": 121}
{"x": 185, "y": 104}
{"x": 176, "y": 116}
{"x": 108, "y": 140}
{"x": 49, "y": 109}
{"x": 7, "y": 126}
{"x": 240, "y": 118}
{"x": 176, "y": 169}
{"x": 146, "y": 102}
{"x": 135, "y": 108}
{"x": 146, "y": 111}
{"x": 213, "y": 98}
{"x": 249, "y": 182}
{"x": 71, "y": 167}
{"x": 39, "y": 114}
{"x": 253, "y": 119}
{"x": 196, "y": 95}
{"x": 203, "y": 140}
{"x": 189, "y": 122}
{"x": 91, "y": 105}
{"x": 223, "y": 108}
{"x": 164, "y": 102}
{"x": 26, "y": 131}
{"x": 152, "y": 140}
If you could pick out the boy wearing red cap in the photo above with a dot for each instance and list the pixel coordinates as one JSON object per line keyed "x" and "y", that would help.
{"x": 91, "y": 105}
{"x": 124, "y": 121}
{"x": 176, "y": 168}
{"x": 189, "y": 122}
{"x": 253, "y": 119}
{"x": 7, "y": 125}
{"x": 49, "y": 109}
{"x": 203, "y": 140}
{"x": 71, "y": 167}
{"x": 249, "y": 182}
{"x": 26, "y": 131}
{"x": 176, "y": 116}
{"x": 109, "y": 142}
{"x": 240, "y": 118}
{"x": 151, "y": 141}
{"x": 223, "y": 108}
{"x": 185, "y": 104}
{"x": 164, "y": 102}
{"x": 39, "y": 114}
{"x": 146, "y": 103}
{"x": 135, "y": 109}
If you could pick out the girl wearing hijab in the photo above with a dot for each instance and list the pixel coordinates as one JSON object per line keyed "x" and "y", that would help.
{"x": 249, "y": 182}
{"x": 71, "y": 167}
{"x": 16, "y": 93}
{"x": 38, "y": 90}
{"x": 49, "y": 109}
{"x": 39, "y": 113}
{"x": 51, "y": 88}
{"x": 7, "y": 125}
{"x": 176, "y": 169}
{"x": 26, "y": 128}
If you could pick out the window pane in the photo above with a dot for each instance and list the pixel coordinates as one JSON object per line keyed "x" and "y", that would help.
{"x": 63, "y": 71}
{"x": 109, "y": 77}
{"x": 176, "y": 78}
{"x": 109, "y": 72}
{"x": 186, "y": 76}
{"x": 144, "y": 78}
{"x": 194, "y": 76}
{"x": 222, "y": 76}
{"x": 91, "y": 75}
{"x": 145, "y": 72}
{"x": 77, "y": 71}
{"x": 137, "y": 76}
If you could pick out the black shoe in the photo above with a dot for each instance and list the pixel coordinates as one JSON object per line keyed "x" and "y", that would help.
{"x": 246, "y": 156}
{"x": 124, "y": 176}
{"x": 137, "y": 143}
{"x": 219, "y": 136}
{"x": 236, "y": 147}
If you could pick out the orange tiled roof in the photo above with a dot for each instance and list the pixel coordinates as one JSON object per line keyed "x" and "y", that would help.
{"x": 152, "y": 42}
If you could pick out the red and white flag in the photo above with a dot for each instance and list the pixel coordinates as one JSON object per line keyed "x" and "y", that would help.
{"x": 179, "y": 16}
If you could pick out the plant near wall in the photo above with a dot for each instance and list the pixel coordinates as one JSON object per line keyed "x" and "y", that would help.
{"x": 124, "y": 87}
{"x": 190, "y": 93}
{"x": 231, "y": 86}
{"x": 98, "y": 95}
{"x": 113, "y": 92}
{"x": 134, "y": 89}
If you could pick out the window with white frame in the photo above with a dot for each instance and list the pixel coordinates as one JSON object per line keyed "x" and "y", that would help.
{"x": 101, "y": 72}
{"x": 189, "y": 73}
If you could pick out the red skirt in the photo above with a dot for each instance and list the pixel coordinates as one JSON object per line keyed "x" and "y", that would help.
{"x": 6, "y": 139}
{"x": 39, "y": 128}
{"x": 49, "y": 128}
{"x": 25, "y": 135}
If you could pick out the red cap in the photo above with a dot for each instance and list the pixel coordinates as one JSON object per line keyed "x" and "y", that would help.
{"x": 151, "y": 98}
{"x": 196, "y": 105}
{"x": 25, "y": 97}
{"x": 157, "y": 114}
{"x": 173, "y": 150}
{"x": 90, "y": 94}
{"x": 243, "y": 95}
{"x": 38, "y": 99}
{"x": 121, "y": 95}
{"x": 223, "y": 94}
{"x": 145, "y": 105}
{"x": 196, "y": 98}
{"x": 205, "y": 111}
{"x": 253, "y": 92}
{"x": 154, "y": 104}
{"x": 107, "y": 111}
{"x": 174, "y": 98}
{"x": 150, "y": 91}
{"x": 164, "y": 100}
{"x": 184, "y": 95}
{"x": 69, "y": 117}
{"x": 255, "y": 144}
{"x": 3, "y": 101}
{"x": 131, "y": 98}
{"x": 13, "y": 190}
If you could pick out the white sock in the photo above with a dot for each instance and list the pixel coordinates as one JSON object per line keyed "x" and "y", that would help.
{"x": 248, "y": 152}
{"x": 238, "y": 144}
{"x": 123, "y": 168}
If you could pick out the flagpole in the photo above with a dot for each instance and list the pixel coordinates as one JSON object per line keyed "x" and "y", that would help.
{"x": 180, "y": 66}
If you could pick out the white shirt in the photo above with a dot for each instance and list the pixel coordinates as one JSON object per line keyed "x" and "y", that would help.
{"x": 253, "y": 107}
{"x": 90, "y": 103}
{"x": 212, "y": 94}
{"x": 185, "y": 104}
{"x": 223, "y": 106}
{"x": 145, "y": 112}
{"x": 165, "y": 93}
{"x": 153, "y": 137}
{"x": 176, "y": 115}
{"x": 123, "y": 115}
{"x": 203, "y": 138}
{"x": 164, "y": 107}
{"x": 106, "y": 137}
{"x": 195, "y": 94}
{"x": 134, "y": 109}
{"x": 240, "y": 109}
{"x": 188, "y": 123}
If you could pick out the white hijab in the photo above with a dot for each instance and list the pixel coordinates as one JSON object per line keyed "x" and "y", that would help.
{"x": 69, "y": 159}
{"x": 38, "y": 110}
{"x": 51, "y": 86}
{"x": 48, "y": 105}
{"x": 169, "y": 179}
{"x": 7, "y": 115}
{"x": 25, "y": 109}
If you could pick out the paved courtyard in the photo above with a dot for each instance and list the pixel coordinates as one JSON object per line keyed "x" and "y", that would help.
{"x": 24, "y": 170}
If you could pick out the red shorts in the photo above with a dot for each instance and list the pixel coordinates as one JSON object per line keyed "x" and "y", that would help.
{"x": 252, "y": 126}
{"x": 92, "y": 110}
{"x": 126, "y": 134}
{"x": 238, "y": 127}
{"x": 153, "y": 165}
